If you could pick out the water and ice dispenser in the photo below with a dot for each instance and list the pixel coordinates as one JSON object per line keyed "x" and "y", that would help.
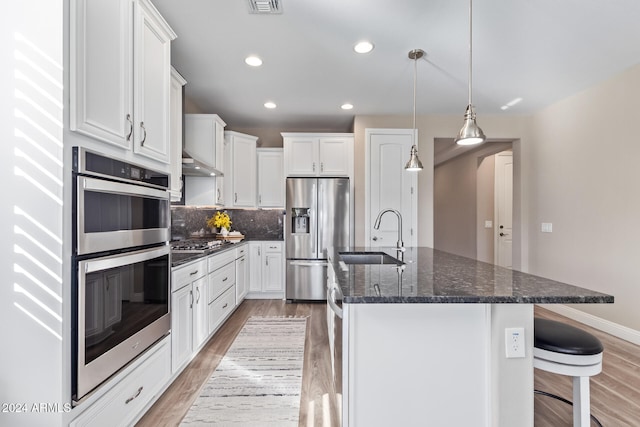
{"x": 300, "y": 220}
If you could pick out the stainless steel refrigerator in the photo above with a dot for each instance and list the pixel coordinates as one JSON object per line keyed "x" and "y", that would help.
{"x": 318, "y": 217}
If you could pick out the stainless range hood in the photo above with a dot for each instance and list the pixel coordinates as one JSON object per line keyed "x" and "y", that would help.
{"x": 193, "y": 167}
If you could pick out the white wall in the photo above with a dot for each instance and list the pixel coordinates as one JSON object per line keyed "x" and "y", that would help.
{"x": 583, "y": 175}
{"x": 32, "y": 294}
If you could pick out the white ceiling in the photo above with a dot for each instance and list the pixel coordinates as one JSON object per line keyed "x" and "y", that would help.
{"x": 539, "y": 50}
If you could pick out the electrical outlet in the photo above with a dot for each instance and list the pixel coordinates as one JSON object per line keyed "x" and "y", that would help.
{"x": 514, "y": 342}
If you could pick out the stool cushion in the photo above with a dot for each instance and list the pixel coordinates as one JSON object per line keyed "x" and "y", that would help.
{"x": 562, "y": 338}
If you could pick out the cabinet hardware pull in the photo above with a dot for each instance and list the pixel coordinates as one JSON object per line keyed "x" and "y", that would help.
{"x": 191, "y": 293}
{"x": 198, "y": 293}
{"x": 195, "y": 272}
{"x": 235, "y": 197}
{"x": 314, "y": 166}
{"x": 258, "y": 251}
{"x": 266, "y": 260}
{"x": 144, "y": 137}
{"x": 225, "y": 305}
{"x": 260, "y": 198}
{"x": 130, "y": 127}
{"x": 225, "y": 279}
{"x": 218, "y": 190}
{"x": 321, "y": 166}
{"x": 133, "y": 397}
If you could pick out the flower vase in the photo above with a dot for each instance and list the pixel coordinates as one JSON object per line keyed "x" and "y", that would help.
{"x": 224, "y": 231}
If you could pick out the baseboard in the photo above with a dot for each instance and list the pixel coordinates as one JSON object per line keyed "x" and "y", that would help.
{"x": 599, "y": 323}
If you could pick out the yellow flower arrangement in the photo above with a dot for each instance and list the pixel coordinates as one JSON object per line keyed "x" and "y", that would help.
{"x": 220, "y": 219}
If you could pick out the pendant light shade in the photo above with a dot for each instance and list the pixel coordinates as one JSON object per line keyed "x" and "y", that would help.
{"x": 414, "y": 164}
{"x": 470, "y": 133}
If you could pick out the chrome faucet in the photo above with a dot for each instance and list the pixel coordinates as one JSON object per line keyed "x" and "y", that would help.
{"x": 376, "y": 225}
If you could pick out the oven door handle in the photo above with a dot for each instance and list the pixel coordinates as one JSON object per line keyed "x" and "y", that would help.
{"x": 112, "y": 261}
{"x": 104, "y": 186}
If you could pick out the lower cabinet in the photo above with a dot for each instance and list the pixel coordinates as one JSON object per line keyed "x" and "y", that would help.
{"x": 124, "y": 402}
{"x": 222, "y": 288}
{"x": 188, "y": 311}
{"x": 242, "y": 272}
{"x": 266, "y": 270}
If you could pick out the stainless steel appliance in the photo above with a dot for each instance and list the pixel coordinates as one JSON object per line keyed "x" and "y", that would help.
{"x": 121, "y": 265}
{"x": 195, "y": 246}
{"x": 318, "y": 217}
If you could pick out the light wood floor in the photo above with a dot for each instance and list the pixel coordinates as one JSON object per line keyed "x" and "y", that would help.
{"x": 615, "y": 393}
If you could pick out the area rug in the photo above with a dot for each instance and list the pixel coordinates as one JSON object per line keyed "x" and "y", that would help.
{"x": 258, "y": 381}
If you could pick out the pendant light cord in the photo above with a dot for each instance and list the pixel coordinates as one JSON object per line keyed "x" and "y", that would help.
{"x": 470, "y": 46}
{"x": 415, "y": 85}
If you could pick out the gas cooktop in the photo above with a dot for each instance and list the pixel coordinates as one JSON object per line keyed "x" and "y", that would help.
{"x": 195, "y": 246}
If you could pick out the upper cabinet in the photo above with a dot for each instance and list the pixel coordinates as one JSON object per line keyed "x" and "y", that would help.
{"x": 120, "y": 75}
{"x": 240, "y": 170}
{"x": 270, "y": 178}
{"x": 310, "y": 154}
{"x": 204, "y": 139}
{"x": 177, "y": 83}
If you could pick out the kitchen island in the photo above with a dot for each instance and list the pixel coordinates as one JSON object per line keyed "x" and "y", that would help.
{"x": 423, "y": 338}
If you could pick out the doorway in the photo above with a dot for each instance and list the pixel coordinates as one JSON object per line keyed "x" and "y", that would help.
{"x": 464, "y": 199}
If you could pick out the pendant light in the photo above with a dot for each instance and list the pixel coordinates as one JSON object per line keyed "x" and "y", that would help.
{"x": 414, "y": 164}
{"x": 470, "y": 133}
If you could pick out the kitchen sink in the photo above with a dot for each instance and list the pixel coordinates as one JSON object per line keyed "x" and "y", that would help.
{"x": 368, "y": 258}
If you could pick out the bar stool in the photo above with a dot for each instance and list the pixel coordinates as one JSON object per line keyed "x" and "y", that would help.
{"x": 567, "y": 350}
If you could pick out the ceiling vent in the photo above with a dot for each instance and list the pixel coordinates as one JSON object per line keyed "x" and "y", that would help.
{"x": 262, "y": 7}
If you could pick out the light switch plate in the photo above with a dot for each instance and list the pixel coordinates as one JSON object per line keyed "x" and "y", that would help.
{"x": 488, "y": 224}
{"x": 547, "y": 227}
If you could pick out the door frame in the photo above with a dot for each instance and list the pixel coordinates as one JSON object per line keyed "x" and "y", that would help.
{"x": 413, "y": 133}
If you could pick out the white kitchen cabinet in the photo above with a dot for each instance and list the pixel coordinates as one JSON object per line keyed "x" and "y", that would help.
{"x": 222, "y": 288}
{"x": 270, "y": 177}
{"x": 133, "y": 390}
{"x": 120, "y": 75}
{"x": 204, "y": 138}
{"x": 311, "y": 154}
{"x": 266, "y": 270}
{"x": 240, "y": 170}
{"x": 242, "y": 272}
{"x": 176, "y": 129}
{"x": 189, "y": 323}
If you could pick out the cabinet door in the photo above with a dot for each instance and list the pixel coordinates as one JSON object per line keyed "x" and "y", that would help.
{"x": 243, "y": 172}
{"x": 335, "y": 156}
{"x": 181, "y": 326}
{"x": 270, "y": 179}
{"x": 152, "y": 68}
{"x": 272, "y": 272}
{"x": 177, "y": 82}
{"x": 255, "y": 267}
{"x": 302, "y": 156}
{"x": 200, "y": 303}
{"x": 220, "y": 180}
{"x": 241, "y": 278}
{"x": 101, "y": 40}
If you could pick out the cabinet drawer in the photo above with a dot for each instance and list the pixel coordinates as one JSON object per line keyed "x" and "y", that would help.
{"x": 273, "y": 246}
{"x": 220, "y": 260}
{"x": 241, "y": 251}
{"x": 123, "y": 403}
{"x": 221, "y": 279}
{"x": 221, "y": 308}
{"x": 184, "y": 275}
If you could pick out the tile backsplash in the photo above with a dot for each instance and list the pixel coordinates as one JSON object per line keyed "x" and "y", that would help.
{"x": 188, "y": 222}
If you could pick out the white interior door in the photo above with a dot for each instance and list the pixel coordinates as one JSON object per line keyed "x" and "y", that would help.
{"x": 390, "y": 186}
{"x": 504, "y": 208}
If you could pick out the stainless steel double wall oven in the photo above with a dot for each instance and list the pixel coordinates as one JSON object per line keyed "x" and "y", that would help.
{"x": 121, "y": 262}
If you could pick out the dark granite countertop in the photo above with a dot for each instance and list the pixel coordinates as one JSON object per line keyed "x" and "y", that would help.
{"x": 433, "y": 276}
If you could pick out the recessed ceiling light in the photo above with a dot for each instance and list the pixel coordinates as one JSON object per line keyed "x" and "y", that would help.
{"x": 270, "y": 104}
{"x": 363, "y": 47}
{"x": 253, "y": 60}
{"x": 346, "y": 106}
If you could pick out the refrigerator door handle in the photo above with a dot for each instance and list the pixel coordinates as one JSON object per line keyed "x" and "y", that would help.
{"x": 309, "y": 263}
{"x": 314, "y": 221}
